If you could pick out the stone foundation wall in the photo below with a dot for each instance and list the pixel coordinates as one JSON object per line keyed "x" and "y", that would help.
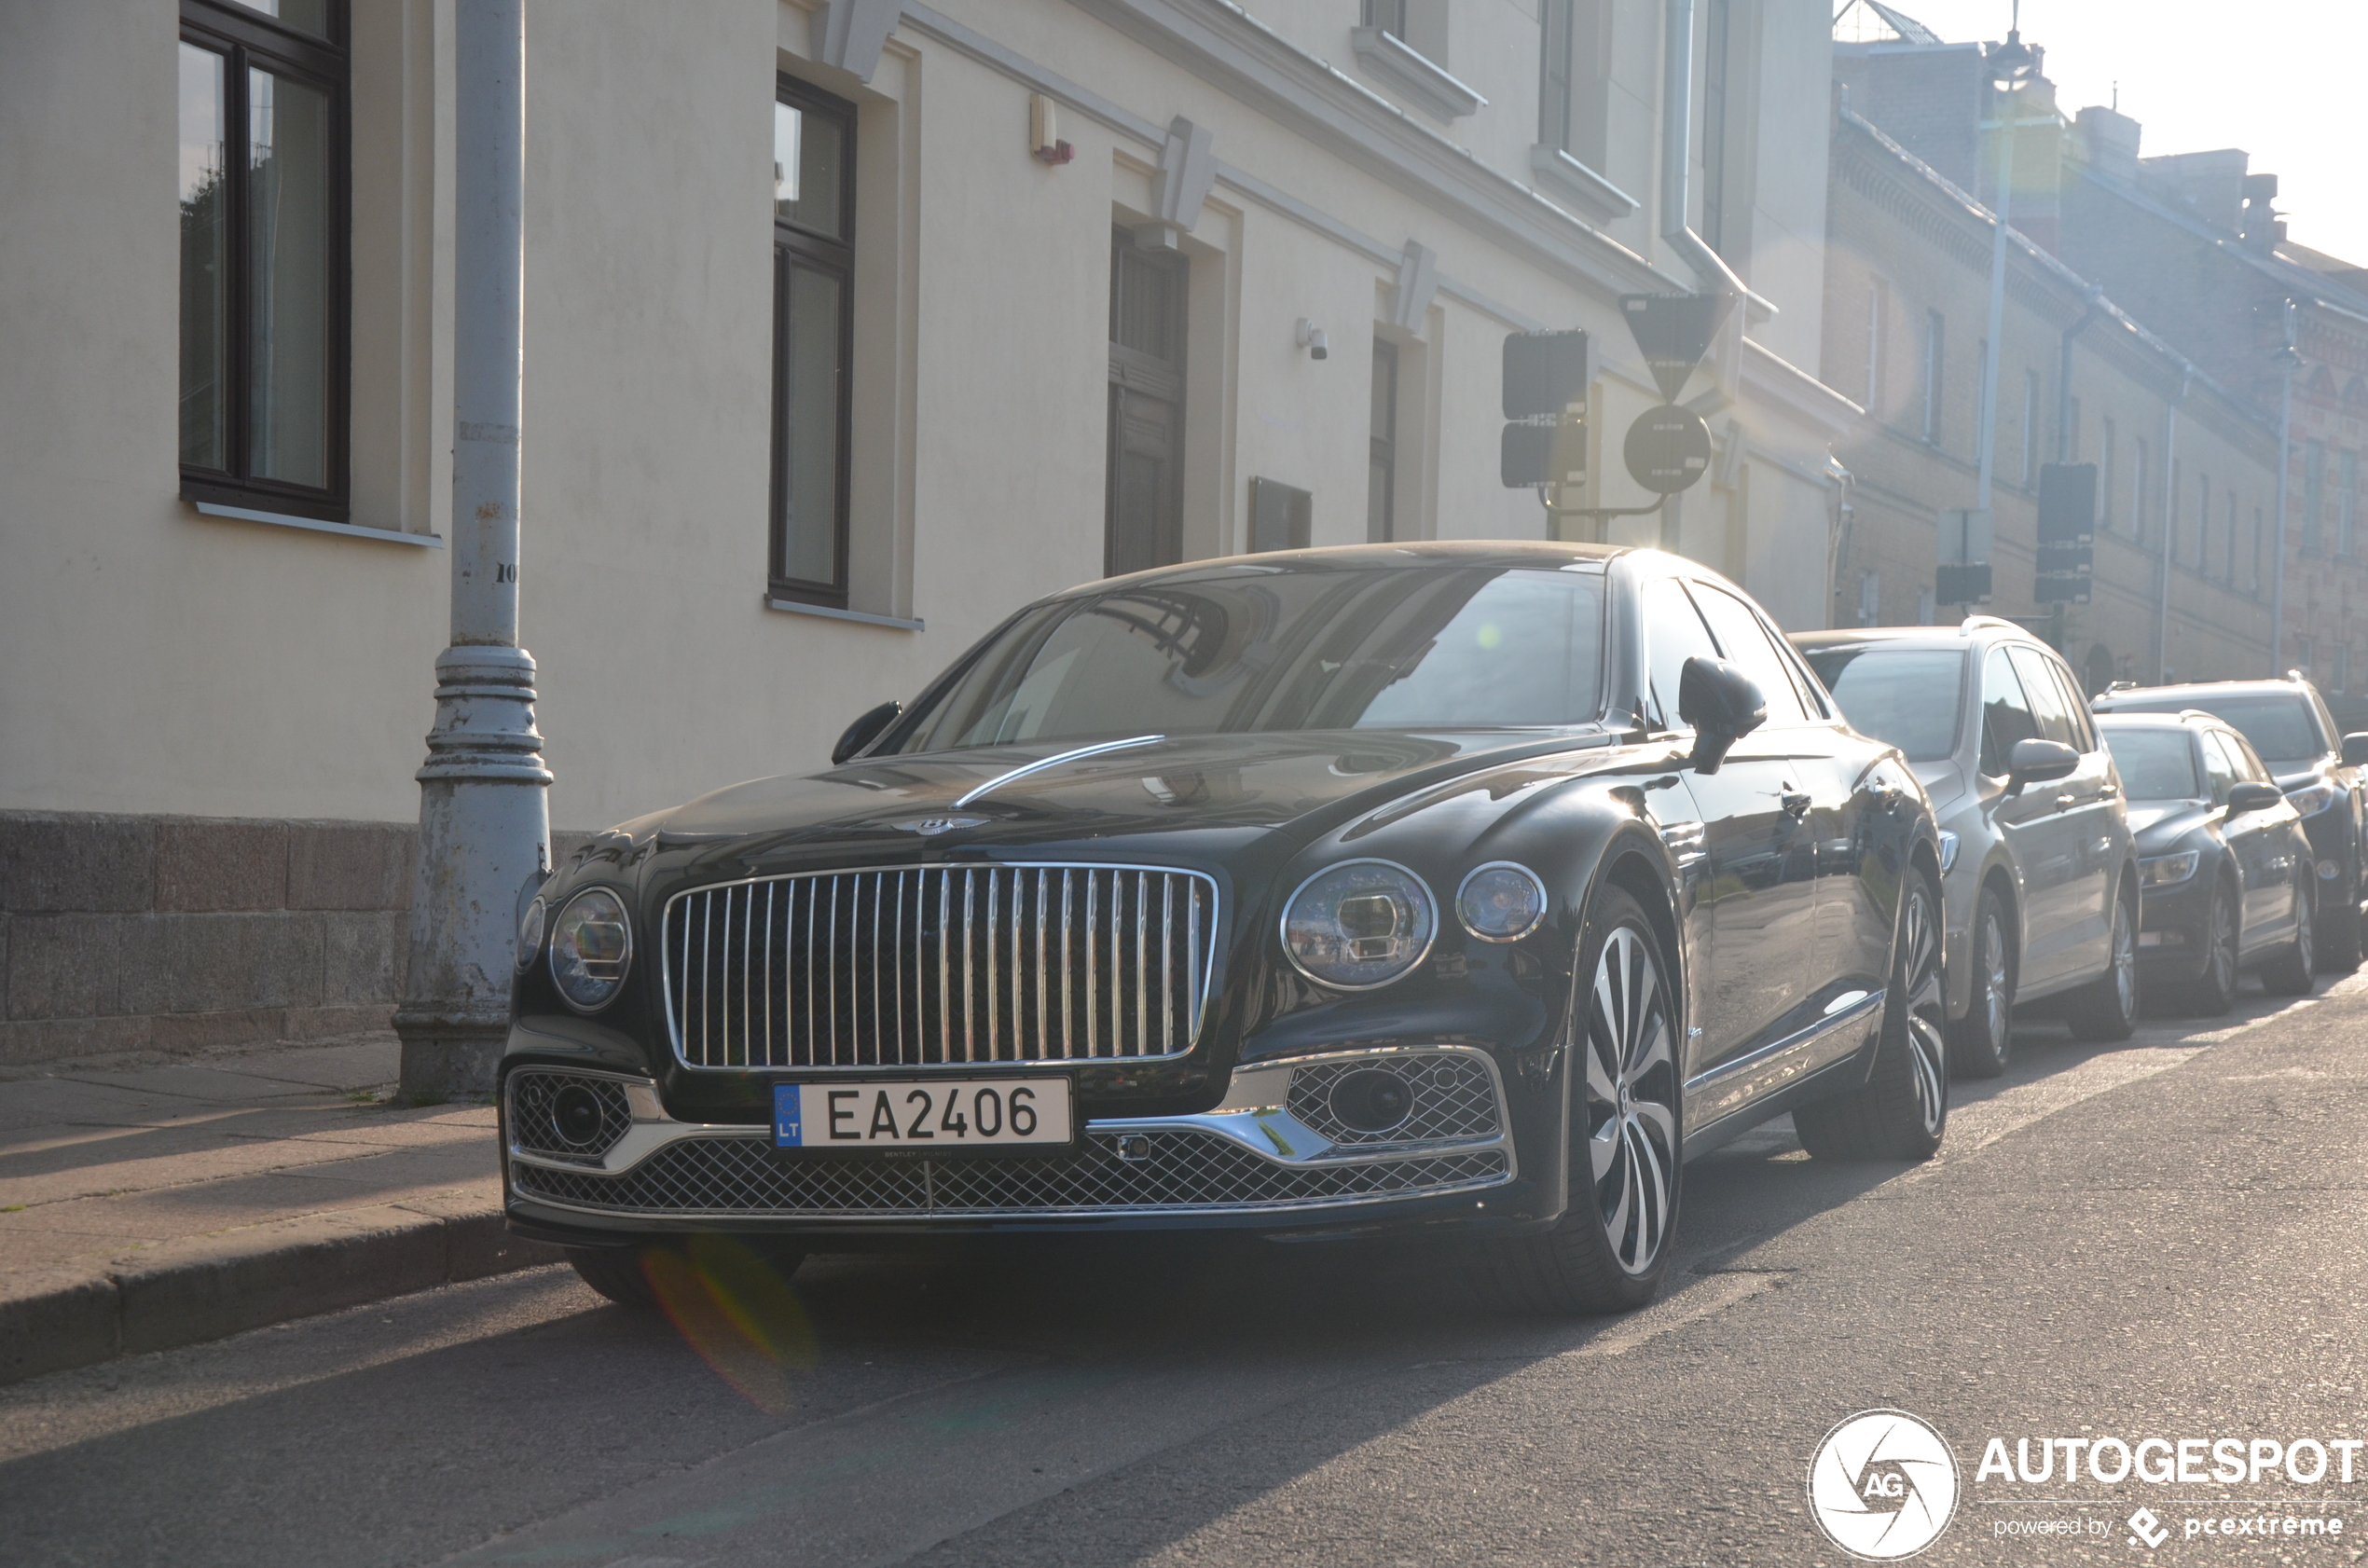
{"x": 181, "y": 934}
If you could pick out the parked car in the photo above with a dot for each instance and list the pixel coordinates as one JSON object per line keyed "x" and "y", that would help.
{"x": 1454, "y": 888}
{"x": 2224, "y": 863}
{"x": 2318, "y": 766}
{"x": 2039, "y": 873}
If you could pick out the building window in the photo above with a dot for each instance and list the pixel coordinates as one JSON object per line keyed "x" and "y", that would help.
{"x": 1381, "y": 488}
{"x": 2258, "y": 531}
{"x": 2314, "y": 495}
{"x": 2304, "y": 659}
{"x": 1870, "y": 599}
{"x": 1387, "y": 15}
{"x": 2140, "y": 472}
{"x": 2203, "y": 526}
{"x": 1936, "y": 347}
{"x": 2228, "y": 535}
{"x": 813, "y": 340}
{"x": 2030, "y": 428}
{"x": 1554, "y": 74}
{"x": 265, "y": 199}
{"x": 1143, "y": 499}
{"x": 1874, "y": 381}
{"x": 2347, "y": 506}
{"x": 1717, "y": 192}
{"x": 2170, "y": 514}
{"x": 2071, "y": 432}
{"x": 2339, "y": 677}
{"x": 2105, "y": 434}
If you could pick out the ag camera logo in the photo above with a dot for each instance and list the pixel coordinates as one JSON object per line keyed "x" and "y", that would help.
{"x": 1882, "y": 1485}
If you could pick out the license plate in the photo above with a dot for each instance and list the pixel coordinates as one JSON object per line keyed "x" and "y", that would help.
{"x": 936, "y": 1114}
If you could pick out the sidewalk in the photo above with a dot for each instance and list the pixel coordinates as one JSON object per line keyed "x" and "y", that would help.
{"x": 150, "y": 1208}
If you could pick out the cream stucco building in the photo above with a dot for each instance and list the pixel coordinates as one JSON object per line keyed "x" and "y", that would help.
{"x": 824, "y": 374}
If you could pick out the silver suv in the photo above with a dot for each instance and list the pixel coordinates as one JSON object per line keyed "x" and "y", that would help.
{"x": 2039, "y": 873}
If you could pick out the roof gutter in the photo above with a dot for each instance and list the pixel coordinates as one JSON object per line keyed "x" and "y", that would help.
{"x": 1678, "y": 158}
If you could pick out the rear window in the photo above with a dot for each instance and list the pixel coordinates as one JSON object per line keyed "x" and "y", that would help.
{"x": 2282, "y": 729}
{"x": 1907, "y": 698}
{"x": 2155, "y": 764}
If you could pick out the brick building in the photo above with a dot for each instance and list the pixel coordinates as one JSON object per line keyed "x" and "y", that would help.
{"x": 1907, "y": 306}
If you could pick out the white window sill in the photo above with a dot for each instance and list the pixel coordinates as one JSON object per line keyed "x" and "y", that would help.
{"x": 1387, "y": 56}
{"x": 1562, "y": 175}
{"x": 862, "y": 617}
{"x": 314, "y": 525}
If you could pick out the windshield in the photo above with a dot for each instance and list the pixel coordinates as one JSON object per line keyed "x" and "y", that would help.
{"x": 1260, "y": 649}
{"x": 1905, "y": 697}
{"x": 2280, "y": 727}
{"x": 2155, "y": 764}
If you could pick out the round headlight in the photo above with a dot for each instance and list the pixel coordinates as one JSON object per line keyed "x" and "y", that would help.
{"x": 1501, "y": 901}
{"x": 591, "y": 943}
{"x": 1359, "y": 924}
{"x": 531, "y": 933}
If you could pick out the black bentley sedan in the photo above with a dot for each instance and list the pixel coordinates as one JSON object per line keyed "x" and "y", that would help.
{"x": 1465, "y": 889}
{"x": 2224, "y": 860}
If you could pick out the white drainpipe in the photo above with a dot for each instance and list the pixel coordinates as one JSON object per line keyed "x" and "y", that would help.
{"x": 1677, "y": 123}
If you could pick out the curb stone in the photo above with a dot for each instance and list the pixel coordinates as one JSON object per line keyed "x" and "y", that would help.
{"x": 197, "y": 1289}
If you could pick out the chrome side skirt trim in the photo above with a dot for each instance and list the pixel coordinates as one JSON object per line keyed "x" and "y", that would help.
{"x": 1736, "y": 1083}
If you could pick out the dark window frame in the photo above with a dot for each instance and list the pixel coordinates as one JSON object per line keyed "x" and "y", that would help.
{"x": 1380, "y": 448}
{"x": 1138, "y": 373}
{"x": 1556, "y": 23}
{"x": 245, "y": 39}
{"x": 796, "y": 247}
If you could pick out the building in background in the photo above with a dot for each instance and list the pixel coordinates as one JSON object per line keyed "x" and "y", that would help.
{"x": 850, "y": 325}
{"x": 2182, "y": 583}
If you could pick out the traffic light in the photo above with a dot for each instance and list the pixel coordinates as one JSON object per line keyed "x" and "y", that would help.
{"x": 1546, "y": 375}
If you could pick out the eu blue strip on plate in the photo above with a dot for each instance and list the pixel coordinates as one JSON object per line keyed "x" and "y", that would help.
{"x": 785, "y": 1131}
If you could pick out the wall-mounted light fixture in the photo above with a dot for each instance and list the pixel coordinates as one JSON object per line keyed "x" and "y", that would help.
{"x": 1312, "y": 339}
{"x": 1044, "y": 142}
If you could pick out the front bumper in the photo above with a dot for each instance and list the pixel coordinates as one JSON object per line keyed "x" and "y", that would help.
{"x": 2171, "y": 929}
{"x": 1272, "y": 1157}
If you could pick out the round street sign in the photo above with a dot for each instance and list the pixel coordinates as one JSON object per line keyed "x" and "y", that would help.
{"x": 1668, "y": 448}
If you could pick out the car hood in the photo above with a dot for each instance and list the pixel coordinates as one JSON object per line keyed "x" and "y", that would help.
{"x": 2156, "y": 825}
{"x": 1233, "y": 784}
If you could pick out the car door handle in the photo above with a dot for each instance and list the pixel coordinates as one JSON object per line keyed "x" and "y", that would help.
{"x": 2110, "y": 790}
{"x": 2064, "y": 802}
{"x": 1796, "y": 805}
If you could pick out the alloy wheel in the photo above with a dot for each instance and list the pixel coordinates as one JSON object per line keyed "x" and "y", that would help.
{"x": 2124, "y": 959}
{"x": 1632, "y": 1099}
{"x": 1994, "y": 981}
{"x": 2223, "y": 956}
{"x": 1927, "y": 1008}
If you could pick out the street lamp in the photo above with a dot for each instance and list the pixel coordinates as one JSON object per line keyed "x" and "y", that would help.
{"x": 2009, "y": 69}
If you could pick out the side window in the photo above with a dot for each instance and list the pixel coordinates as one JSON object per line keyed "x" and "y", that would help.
{"x": 1673, "y": 633}
{"x": 2046, "y": 698}
{"x": 2250, "y": 767}
{"x": 2005, "y": 716}
{"x": 2084, "y": 729}
{"x": 1746, "y": 645}
{"x": 2219, "y": 769}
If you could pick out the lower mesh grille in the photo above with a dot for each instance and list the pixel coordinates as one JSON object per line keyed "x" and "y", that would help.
{"x": 532, "y": 1092}
{"x": 1453, "y": 1094}
{"x": 1184, "y": 1170}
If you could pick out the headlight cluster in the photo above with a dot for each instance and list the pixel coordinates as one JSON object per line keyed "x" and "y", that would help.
{"x": 1947, "y": 850}
{"x": 2314, "y": 797}
{"x": 1365, "y": 923}
{"x": 591, "y": 946}
{"x": 531, "y": 933}
{"x": 2164, "y": 871}
{"x": 1359, "y": 924}
{"x": 1501, "y": 901}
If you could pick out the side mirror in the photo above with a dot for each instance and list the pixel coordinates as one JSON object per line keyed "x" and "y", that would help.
{"x": 1722, "y": 705}
{"x": 2036, "y": 762}
{"x": 865, "y": 730}
{"x": 2253, "y": 797}
{"x": 2356, "y": 750}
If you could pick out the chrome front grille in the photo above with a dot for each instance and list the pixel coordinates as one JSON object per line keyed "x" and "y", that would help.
{"x": 939, "y": 966}
{"x": 1180, "y": 1170}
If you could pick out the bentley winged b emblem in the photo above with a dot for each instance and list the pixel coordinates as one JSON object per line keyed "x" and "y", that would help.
{"x": 930, "y": 827}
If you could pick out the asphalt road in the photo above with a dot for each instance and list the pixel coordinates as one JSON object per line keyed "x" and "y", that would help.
{"x": 2158, "y": 1238}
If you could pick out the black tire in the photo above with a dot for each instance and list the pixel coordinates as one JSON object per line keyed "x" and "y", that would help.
{"x": 1982, "y": 1042}
{"x": 1901, "y": 1112}
{"x": 2338, "y": 921}
{"x": 2213, "y": 990}
{"x": 2107, "y": 1007}
{"x": 2294, "y": 971}
{"x": 616, "y": 1272}
{"x": 1610, "y": 1250}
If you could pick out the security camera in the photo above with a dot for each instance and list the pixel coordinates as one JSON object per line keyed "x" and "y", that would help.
{"x": 1312, "y": 339}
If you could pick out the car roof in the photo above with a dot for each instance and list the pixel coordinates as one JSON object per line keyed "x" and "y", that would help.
{"x": 2185, "y": 718}
{"x": 2216, "y": 688}
{"x": 1414, "y": 553}
{"x": 1974, "y": 631}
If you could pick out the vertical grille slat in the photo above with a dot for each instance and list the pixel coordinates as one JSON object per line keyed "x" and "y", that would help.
{"x": 939, "y": 966}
